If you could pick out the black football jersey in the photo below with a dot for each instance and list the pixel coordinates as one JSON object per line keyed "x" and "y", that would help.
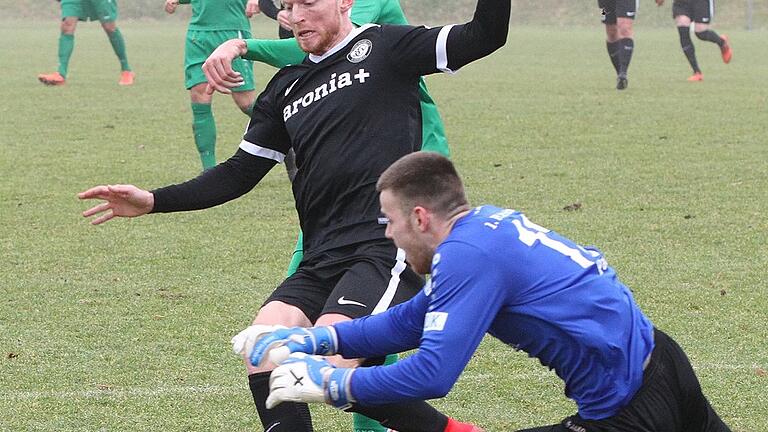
{"x": 348, "y": 115}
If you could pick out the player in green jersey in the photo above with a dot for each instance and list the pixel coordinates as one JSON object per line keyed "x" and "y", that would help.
{"x": 72, "y": 11}
{"x": 280, "y": 53}
{"x": 213, "y": 22}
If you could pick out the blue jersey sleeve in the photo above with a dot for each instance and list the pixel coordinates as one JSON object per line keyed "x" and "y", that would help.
{"x": 463, "y": 300}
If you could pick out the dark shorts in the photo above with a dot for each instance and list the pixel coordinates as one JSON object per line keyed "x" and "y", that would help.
{"x": 669, "y": 400}
{"x": 700, "y": 11}
{"x": 355, "y": 280}
{"x": 612, "y": 9}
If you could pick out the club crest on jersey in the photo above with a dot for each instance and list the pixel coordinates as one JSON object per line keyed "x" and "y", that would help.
{"x": 360, "y": 51}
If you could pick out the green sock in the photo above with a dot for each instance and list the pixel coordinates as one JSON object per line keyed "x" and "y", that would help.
{"x": 204, "y": 129}
{"x": 362, "y": 423}
{"x": 66, "y": 45}
{"x": 118, "y": 44}
{"x": 298, "y": 255}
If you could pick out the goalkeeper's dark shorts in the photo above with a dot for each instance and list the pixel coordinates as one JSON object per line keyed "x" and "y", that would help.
{"x": 670, "y": 399}
{"x": 355, "y": 280}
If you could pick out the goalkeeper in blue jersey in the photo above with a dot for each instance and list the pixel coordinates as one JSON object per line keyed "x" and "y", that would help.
{"x": 496, "y": 272}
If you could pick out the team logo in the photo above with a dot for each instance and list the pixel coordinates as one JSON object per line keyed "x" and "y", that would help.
{"x": 360, "y": 51}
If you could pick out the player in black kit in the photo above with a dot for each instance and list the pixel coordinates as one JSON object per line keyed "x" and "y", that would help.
{"x": 699, "y": 12}
{"x": 617, "y": 15}
{"x": 348, "y": 111}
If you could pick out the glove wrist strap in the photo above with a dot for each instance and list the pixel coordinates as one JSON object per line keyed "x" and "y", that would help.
{"x": 336, "y": 387}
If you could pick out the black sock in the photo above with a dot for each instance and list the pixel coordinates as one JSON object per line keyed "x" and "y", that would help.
{"x": 286, "y": 417}
{"x": 613, "y": 53}
{"x": 626, "y": 47}
{"x": 688, "y": 49}
{"x": 710, "y": 36}
{"x": 416, "y": 416}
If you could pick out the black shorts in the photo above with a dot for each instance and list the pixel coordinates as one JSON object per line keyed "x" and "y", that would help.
{"x": 670, "y": 400}
{"x": 612, "y": 9}
{"x": 700, "y": 11}
{"x": 354, "y": 280}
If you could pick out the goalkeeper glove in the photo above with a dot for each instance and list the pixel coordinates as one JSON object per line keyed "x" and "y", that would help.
{"x": 281, "y": 343}
{"x": 243, "y": 342}
{"x": 307, "y": 378}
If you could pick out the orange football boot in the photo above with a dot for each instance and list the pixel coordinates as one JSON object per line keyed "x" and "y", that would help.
{"x": 126, "y": 78}
{"x": 696, "y": 77}
{"x": 51, "y": 79}
{"x": 726, "y": 50}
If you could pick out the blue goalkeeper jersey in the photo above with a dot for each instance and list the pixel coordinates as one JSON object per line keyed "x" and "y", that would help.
{"x": 499, "y": 273}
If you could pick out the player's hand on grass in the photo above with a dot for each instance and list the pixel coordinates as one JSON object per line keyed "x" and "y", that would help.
{"x": 252, "y": 8}
{"x": 278, "y": 345}
{"x": 306, "y": 378}
{"x": 170, "y": 6}
{"x": 218, "y": 67}
{"x": 121, "y": 200}
{"x": 242, "y": 343}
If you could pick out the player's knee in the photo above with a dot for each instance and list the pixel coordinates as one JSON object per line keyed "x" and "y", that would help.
{"x": 109, "y": 26}
{"x": 68, "y": 25}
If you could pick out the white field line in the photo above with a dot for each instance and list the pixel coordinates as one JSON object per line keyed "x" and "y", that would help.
{"x": 140, "y": 392}
{"x": 125, "y": 393}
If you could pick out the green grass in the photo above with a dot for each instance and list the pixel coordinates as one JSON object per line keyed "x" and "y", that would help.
{"x": 126, "y": 326}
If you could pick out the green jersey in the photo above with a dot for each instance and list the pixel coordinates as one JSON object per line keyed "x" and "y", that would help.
{"x": 378, "y": 11}
{"x": 218, "y": 15}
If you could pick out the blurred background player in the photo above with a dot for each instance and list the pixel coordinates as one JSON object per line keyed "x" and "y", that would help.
{"x": 212, "y": 23}
{"x": 700, "y": 12}
{"x": 617, "y": 15}
{"x": 72, "y": 11}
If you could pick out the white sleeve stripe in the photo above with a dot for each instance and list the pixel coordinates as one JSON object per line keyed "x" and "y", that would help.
{"x": 262, "y": 152}
{"x": 441, "y": 50}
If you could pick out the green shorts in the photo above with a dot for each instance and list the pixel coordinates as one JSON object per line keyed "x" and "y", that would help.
{"x": 200, "y": 44}
{"x": 90, "y": 10}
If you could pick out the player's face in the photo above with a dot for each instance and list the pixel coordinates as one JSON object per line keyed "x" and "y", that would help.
{"x": 403, "y": 231}
{"x": 318, "y": 24}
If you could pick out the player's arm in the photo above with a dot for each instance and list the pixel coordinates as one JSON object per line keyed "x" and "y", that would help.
{"x": 465, "y": 299}
{"x": 423, "y": 51}
{"x": 264, "y": 144}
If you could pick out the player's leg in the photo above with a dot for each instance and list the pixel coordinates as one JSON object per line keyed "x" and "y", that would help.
{"x": 626, "y": 47}
{"x": 376, "y": 278}
{"x": 286, "y": 417}
{"x": 683, "y": 23}
{"x": 196, "y": 50}
{"x": 203, "y": 125}
{"x": 608, "y": 18}
{"x": 298, "y": 301}
{"x": 70, "y": 13}
{"x": 106, "y": 11}
{"x": 703, "y": 13}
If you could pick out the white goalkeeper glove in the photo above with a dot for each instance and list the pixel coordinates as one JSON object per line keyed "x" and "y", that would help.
{"x": 282, "y": 342}
{"x": 308, "y": 378}
{"x": 243, "y": 342}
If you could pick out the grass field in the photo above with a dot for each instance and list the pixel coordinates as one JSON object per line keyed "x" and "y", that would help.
{"x": 126, "y": 326}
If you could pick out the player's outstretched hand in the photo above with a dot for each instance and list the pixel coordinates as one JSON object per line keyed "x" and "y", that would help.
{"x": 121, "y": 200}
{"x": 242, "y": 343}
{"x": 306, "y": 378}
{"x": 278, "y": 345}
{"x": 218, "y": 67}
